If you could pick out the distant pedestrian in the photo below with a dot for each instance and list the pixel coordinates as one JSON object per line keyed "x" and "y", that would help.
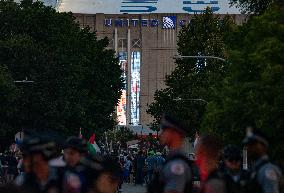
{"x": 160, "y": 161}
{"x": 140, "y": 163}
{"x": 127, "y": 169}
{"x": 150, "y": 164}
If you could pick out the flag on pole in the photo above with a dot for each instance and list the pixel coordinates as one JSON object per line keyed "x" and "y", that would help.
{"x": 80, "y": 133}
{"x": 92, "y": 145}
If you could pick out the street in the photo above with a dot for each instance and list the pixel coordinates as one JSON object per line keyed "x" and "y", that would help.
{"x": 131, "y": 188}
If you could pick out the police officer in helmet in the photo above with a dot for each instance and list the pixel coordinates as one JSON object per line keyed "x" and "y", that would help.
{"x": 38, "y": 176}
{"x": 75, "y": 149}
{"x": 175, "y": 175}
{"x": 264, "y": 176}
{"x": 103, "y": 174}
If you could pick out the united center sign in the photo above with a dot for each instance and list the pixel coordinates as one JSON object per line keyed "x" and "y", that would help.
{"x": 168, "y": 22}
{"x": 145, "y": 6}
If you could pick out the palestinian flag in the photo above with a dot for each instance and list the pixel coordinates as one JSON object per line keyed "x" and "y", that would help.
{"x": 93, "y": 146}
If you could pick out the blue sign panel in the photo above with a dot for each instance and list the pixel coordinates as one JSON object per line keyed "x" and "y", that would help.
{"x": 144, "y": 6}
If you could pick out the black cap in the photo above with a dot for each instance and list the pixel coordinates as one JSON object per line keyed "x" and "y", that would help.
{"x": 77, "y": 144}
{"x": 253, "y": 136}
{"x": 170, "y": 122}
{"x": 39, "y": 143}
{"x": 96, "y": 164}
{"x": 232, "y": 152}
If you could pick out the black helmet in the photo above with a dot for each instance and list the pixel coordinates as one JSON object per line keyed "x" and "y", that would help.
{"x": 76, "y": 143}
{"x": 170, "y": 121}
{"x": 96, "y": 164}
{"x": 39, "y": 143}
{"x": 232, "y": 152}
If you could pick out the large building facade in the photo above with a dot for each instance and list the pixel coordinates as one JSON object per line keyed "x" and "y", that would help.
{"x": 144, "y": 35}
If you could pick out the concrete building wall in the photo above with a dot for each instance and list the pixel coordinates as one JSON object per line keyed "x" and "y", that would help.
{"x": 158, "y": 46}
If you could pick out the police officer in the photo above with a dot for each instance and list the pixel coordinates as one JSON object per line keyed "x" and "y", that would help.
{"x": 175, "y": 176}
{"x": 39, "y": 177}
{"x": 208, "y": 151}
{"x": 103, "y": 174}
{"x": 234, "y": 175}
{"x": 264, "y": 176}
{"x": 75, "y": 149}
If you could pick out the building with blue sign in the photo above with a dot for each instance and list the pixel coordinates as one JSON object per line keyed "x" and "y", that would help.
{"x": 144, "y": 35}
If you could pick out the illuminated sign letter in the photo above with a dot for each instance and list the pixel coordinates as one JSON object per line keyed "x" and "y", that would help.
{"x": 154, "y": 22}
{"x": 108, "y": 22}
{"x": 144, "y": 22}
{"x": 135, "y": 22}
{"x": 118, "y": 22}
{"x": 126, "y": 23}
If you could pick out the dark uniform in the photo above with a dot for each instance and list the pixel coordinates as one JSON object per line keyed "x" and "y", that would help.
{"x": 264, "y": 177}
{"x": 95, "y": 167}
{"x": 58, "y": 181}
{"x": 233, "y": 176}
{"x": 215, "y": 183}
{"x": 176, "y": 174}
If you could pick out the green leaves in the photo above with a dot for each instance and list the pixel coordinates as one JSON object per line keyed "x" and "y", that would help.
{"x": 72, "y": 70}
{"x": 194, "y": 81}
{"x": 254, "y": 84}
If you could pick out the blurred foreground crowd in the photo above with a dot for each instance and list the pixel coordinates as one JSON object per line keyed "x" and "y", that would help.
{"x": 46, "y": 165}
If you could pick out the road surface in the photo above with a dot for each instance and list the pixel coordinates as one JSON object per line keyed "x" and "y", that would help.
{"x": 131, "y": 188}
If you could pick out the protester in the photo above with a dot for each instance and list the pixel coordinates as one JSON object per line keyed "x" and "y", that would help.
{"x": 127, "y": 169}
{"x": 159, "y": 161}
{"x": 140, "y": 162}
{"x": 150, "y": 164}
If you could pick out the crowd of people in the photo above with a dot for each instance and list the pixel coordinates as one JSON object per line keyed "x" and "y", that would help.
{"x": 46, "y": 165}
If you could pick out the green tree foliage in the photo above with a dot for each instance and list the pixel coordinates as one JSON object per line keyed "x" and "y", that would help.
{"x": 194, "y": 81}
{"x": 76, "y": 79}
{"x": 253, "y": 90}
{"x": 8, "y": 96}
{"x": 253, "y": 6}
{"x": 122, "y": 134}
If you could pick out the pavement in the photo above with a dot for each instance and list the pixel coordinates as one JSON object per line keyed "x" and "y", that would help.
{"x": 132, "y": 188}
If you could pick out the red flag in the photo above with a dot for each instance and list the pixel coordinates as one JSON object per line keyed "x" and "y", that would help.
{"x": 92, "y": 139}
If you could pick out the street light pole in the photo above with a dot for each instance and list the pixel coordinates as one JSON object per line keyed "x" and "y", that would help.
{"x": 200, "y": 57}
{"x": 24, "y": 81}
{"x": 180, "y": 99}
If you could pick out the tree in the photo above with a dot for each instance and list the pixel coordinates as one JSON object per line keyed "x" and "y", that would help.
{"x": 194, "y": 81}
{"x": 253, "y": 90}
{"x": 252, "y": 7}
{"x": 77, "y": 81}
{"x": 8, "y": 96}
